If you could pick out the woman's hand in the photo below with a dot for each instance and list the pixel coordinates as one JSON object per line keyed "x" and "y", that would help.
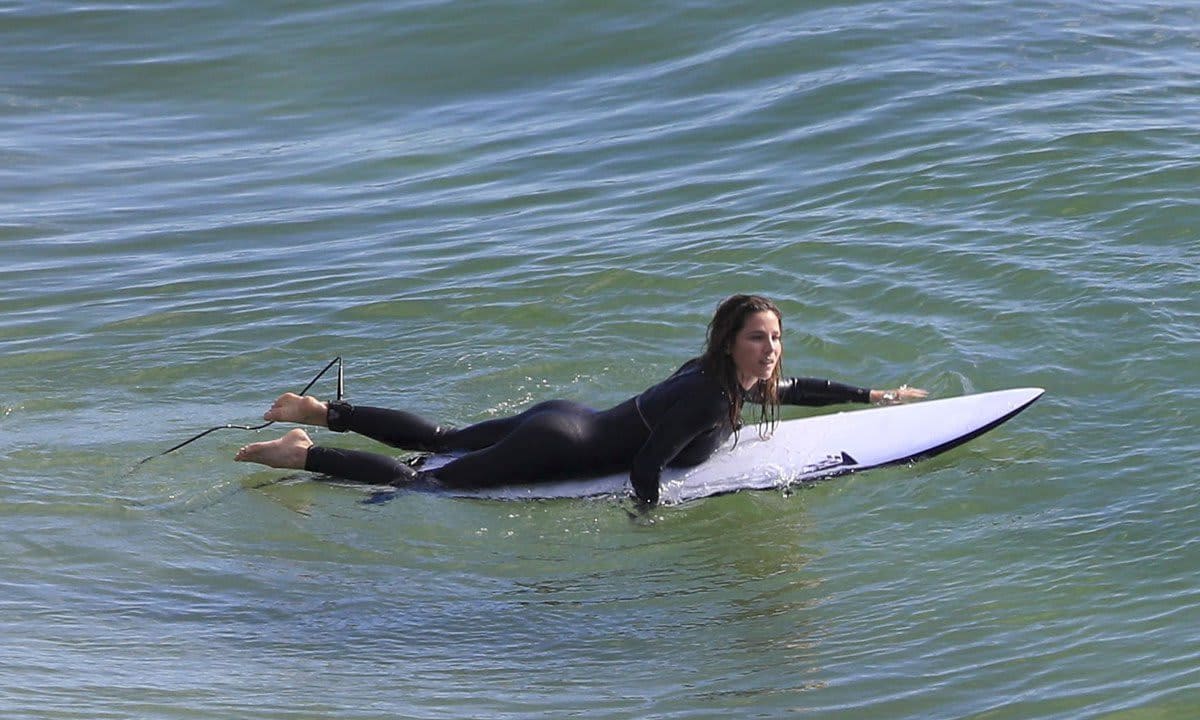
{"x": 902, "y": 394}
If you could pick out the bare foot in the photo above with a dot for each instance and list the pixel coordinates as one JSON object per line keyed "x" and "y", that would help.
{"x": 305, "y": 409}
{"x": 289, "y": 451}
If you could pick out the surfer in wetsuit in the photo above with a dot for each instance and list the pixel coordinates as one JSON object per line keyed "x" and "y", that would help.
{"x": 679, "y": 422}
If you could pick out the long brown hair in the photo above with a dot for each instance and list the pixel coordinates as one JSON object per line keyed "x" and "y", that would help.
{"x": 726, "y": 323}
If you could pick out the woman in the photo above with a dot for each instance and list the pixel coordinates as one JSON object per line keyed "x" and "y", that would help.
{"x": 679, "y": 422}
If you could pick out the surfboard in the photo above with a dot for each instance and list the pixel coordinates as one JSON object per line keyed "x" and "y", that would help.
{"x": 804, "y": 450}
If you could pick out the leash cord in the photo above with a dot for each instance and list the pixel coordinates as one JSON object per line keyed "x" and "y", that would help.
{"x": 340, "y": 391}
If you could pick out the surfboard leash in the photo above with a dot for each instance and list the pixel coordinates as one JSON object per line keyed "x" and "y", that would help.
{"x": 341, "y": 390}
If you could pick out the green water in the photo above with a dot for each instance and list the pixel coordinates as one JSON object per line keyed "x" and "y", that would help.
{"x": 480, "y": 207}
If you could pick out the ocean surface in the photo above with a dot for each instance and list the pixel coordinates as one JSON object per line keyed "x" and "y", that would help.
{"x": 480, "y": 205}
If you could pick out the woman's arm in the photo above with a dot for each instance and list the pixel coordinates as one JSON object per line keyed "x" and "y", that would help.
{"x": 815, "y": 392}
{"x": 683, "y": 422}
{"x": 902, "y": 394}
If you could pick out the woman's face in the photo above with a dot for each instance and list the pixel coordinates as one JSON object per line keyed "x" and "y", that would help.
{"x": 757, "y": 348}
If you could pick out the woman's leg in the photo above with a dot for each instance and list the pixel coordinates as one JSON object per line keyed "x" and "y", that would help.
{"x": 392, "y": 427}
{"x": 550, "y": 442}
{"x": 402, "y": 429}
{"x": 358, "y": 466}
{"x": 296, "y": 451}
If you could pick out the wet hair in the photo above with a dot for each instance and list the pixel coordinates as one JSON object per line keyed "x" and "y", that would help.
{"x": 726, "y": 323}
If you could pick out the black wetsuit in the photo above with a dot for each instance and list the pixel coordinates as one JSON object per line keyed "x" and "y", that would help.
{"x": 679, "y": 422}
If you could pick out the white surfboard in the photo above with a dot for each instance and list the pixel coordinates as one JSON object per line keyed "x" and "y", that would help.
{"x": 804, "y": 450}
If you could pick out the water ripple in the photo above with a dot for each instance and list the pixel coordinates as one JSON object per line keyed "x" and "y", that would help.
{"x": 203, "y": 204}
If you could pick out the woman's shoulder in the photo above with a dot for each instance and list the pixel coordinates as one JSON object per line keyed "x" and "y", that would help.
{"x": 689, "y": 381}
{"x": 690, "y": 366}
{"x": 697, "y": 386}
{"x": 694, "y": 373}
